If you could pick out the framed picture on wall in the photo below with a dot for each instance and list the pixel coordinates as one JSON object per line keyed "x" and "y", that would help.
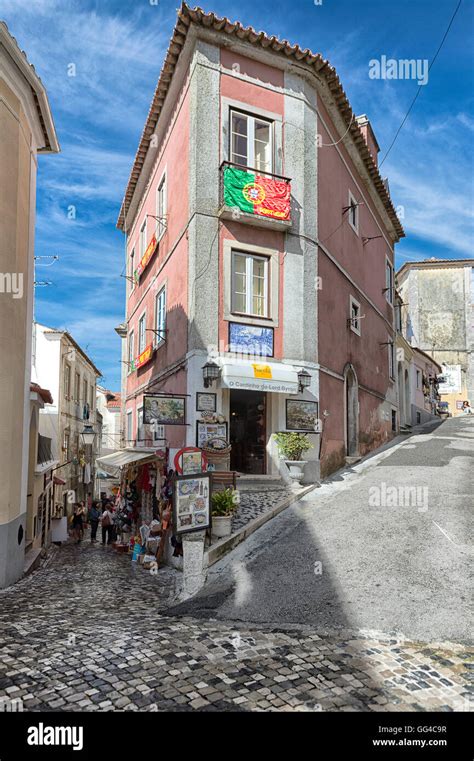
{"x": 164, "y": 410}
{"x": 206, "y": 402}
{"x": 302, "y": 416}
{"x": 206, "y": 431}
{"x": 250, "y": 339}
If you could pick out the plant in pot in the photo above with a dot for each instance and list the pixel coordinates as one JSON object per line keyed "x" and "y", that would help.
{"x": 292, "y": 446}
{"x": 224, "y": 504}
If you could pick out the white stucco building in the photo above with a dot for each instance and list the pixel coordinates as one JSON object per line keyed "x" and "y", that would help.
{"x": 26, "y": 130}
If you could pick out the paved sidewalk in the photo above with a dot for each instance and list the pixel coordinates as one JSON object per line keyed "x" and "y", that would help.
{"x": 87, "y": 632}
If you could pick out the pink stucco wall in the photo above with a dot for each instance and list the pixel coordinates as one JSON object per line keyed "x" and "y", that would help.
{"x": 365, "y": 266}
{"x": 169, "y": 265}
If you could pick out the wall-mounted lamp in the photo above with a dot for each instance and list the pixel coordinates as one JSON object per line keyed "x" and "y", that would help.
{"x": 210, "y": 373}
{"x": 304, "y": 380}
{"x": 88, "y": 435}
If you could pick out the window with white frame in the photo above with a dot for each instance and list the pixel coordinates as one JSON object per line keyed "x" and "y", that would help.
{"x": 391, "y": 357}
{"x": 249, "y": 284}
{"x": 131, "y": 348}
{"x": 143, "y": 240}
{"x": 389, "y": 282}
{"x": 129, "y": 432}
{"x": 142, "y": 333}
{"x": 140, "y": 426}
{"x": 418, "y": 379}
{"x": 355, "y": 317}
{"x": 353, "y": 213}
{"x": 161, "y": 204}
{"x": 158, "y": 431}
{"x": 251, "y": 141}
{"x": 66, "y": 445}
{"x": 160, "y": 316}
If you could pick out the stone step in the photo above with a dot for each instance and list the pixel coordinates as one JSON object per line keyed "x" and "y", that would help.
{"x": 260, "y": 483}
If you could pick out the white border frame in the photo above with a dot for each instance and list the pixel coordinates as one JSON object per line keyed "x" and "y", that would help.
{"x": 353, "y": 201}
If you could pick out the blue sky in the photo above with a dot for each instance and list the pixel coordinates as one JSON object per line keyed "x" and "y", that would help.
{"x": 118, "y": 48}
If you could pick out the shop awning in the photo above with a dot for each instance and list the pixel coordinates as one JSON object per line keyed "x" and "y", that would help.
{"x": 124, "y": 457}
{"x": 274, "y": 377}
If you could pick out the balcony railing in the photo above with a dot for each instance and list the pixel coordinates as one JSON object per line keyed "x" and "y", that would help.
{"x": 44, "y": 450}
{"x": 256, "y": 197}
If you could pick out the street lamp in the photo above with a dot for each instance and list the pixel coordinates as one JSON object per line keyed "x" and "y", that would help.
{"x": 210, "y": 373}
{"x": 304, "y": 380}
{"x": 88, "y": 435}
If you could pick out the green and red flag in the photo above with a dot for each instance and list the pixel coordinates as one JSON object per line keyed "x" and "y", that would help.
{"x": 255, "y": 194}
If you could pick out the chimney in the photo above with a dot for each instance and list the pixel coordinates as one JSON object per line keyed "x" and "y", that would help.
{"x": 369, "y": 136}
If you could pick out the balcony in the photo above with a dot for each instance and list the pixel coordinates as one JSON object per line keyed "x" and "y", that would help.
{"x": 253, "y": 197}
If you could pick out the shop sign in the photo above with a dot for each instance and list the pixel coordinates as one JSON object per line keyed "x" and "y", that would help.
{"x": 256, "y": 194}
{"x": 192, "y": 503}
{"x": 452, "y": 380}
{"x": 143, "y": 358}
{"x": 145, "y": 260}
{"x": 164, "y": 410}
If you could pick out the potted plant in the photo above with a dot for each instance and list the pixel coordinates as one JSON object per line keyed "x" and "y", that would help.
{"x": 224, "y": 503}
{"x": 292, "y": 446}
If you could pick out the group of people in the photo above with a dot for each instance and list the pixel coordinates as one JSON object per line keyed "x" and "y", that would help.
{"x": 100, "y": 512}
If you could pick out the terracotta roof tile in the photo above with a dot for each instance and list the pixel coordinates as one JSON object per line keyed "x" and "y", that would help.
{"x": 188, "y": 16}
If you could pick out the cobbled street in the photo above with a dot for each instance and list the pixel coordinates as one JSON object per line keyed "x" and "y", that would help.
{"x": 89, "y": 630}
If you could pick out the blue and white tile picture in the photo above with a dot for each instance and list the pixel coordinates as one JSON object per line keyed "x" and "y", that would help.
{"x": 250, "y": 339}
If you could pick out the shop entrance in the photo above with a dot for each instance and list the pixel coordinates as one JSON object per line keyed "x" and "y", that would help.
{"x": 248, "y": 434}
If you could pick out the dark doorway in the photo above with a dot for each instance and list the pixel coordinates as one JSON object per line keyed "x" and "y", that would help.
{"x": 248, "y": 434}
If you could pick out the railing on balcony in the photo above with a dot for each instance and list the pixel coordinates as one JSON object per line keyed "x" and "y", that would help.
{"x": 247, "y": 193}
{"x": 44, "y": 450}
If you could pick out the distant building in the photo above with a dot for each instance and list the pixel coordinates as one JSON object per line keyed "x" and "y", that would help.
{"x": 26, "y": 130}
{"x": 62, "y": 365}
{"x": 109, "y": 405}
{"x": 438, "y": 318}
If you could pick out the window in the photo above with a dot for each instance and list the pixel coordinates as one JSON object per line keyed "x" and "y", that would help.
{"x": 394, "y": 421}
{"x": 92, "y": 397}
{"x": 67, "y": 380}
{"x": 418, "y": 379}
{"x": 249, "y": 284}
{"x": 398, "y": 317}
{"x": 160, "y": 316}
{"x": 85, "y": 391}
{"x": 391, "y": 361}
{"x": 251, "y": 141}
{"x": 353, "y": 213}
{"x": 161, "y": 208}
{"x": 158, "y": 431}
{"x": 355, "y": 316}
{"x": 131, "y": 349}
{"x": 142, "y": 334}
{"x": 129, "y": 426}
{"x": 66, "y": 445}
{"x": 143, "y": 238}
{"x": 77, "y": 388}
{"x": 389, "y": 282}
{"x": 140, "y": 426}
{"x": 418, "y": 418}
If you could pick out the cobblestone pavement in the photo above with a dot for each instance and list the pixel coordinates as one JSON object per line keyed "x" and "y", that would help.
{"x": 85, "y": 632}
{"x": 254, "y": 504}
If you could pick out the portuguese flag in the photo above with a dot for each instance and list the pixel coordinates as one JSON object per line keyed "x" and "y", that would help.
{"x": 256, "y": 194}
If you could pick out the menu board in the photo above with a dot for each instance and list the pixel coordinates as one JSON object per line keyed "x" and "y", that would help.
{"x": 191, "y": 503}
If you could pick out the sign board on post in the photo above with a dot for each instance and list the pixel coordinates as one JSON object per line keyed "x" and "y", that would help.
{"x": 452, "y": 380}
{"x": 192, "y": 503}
